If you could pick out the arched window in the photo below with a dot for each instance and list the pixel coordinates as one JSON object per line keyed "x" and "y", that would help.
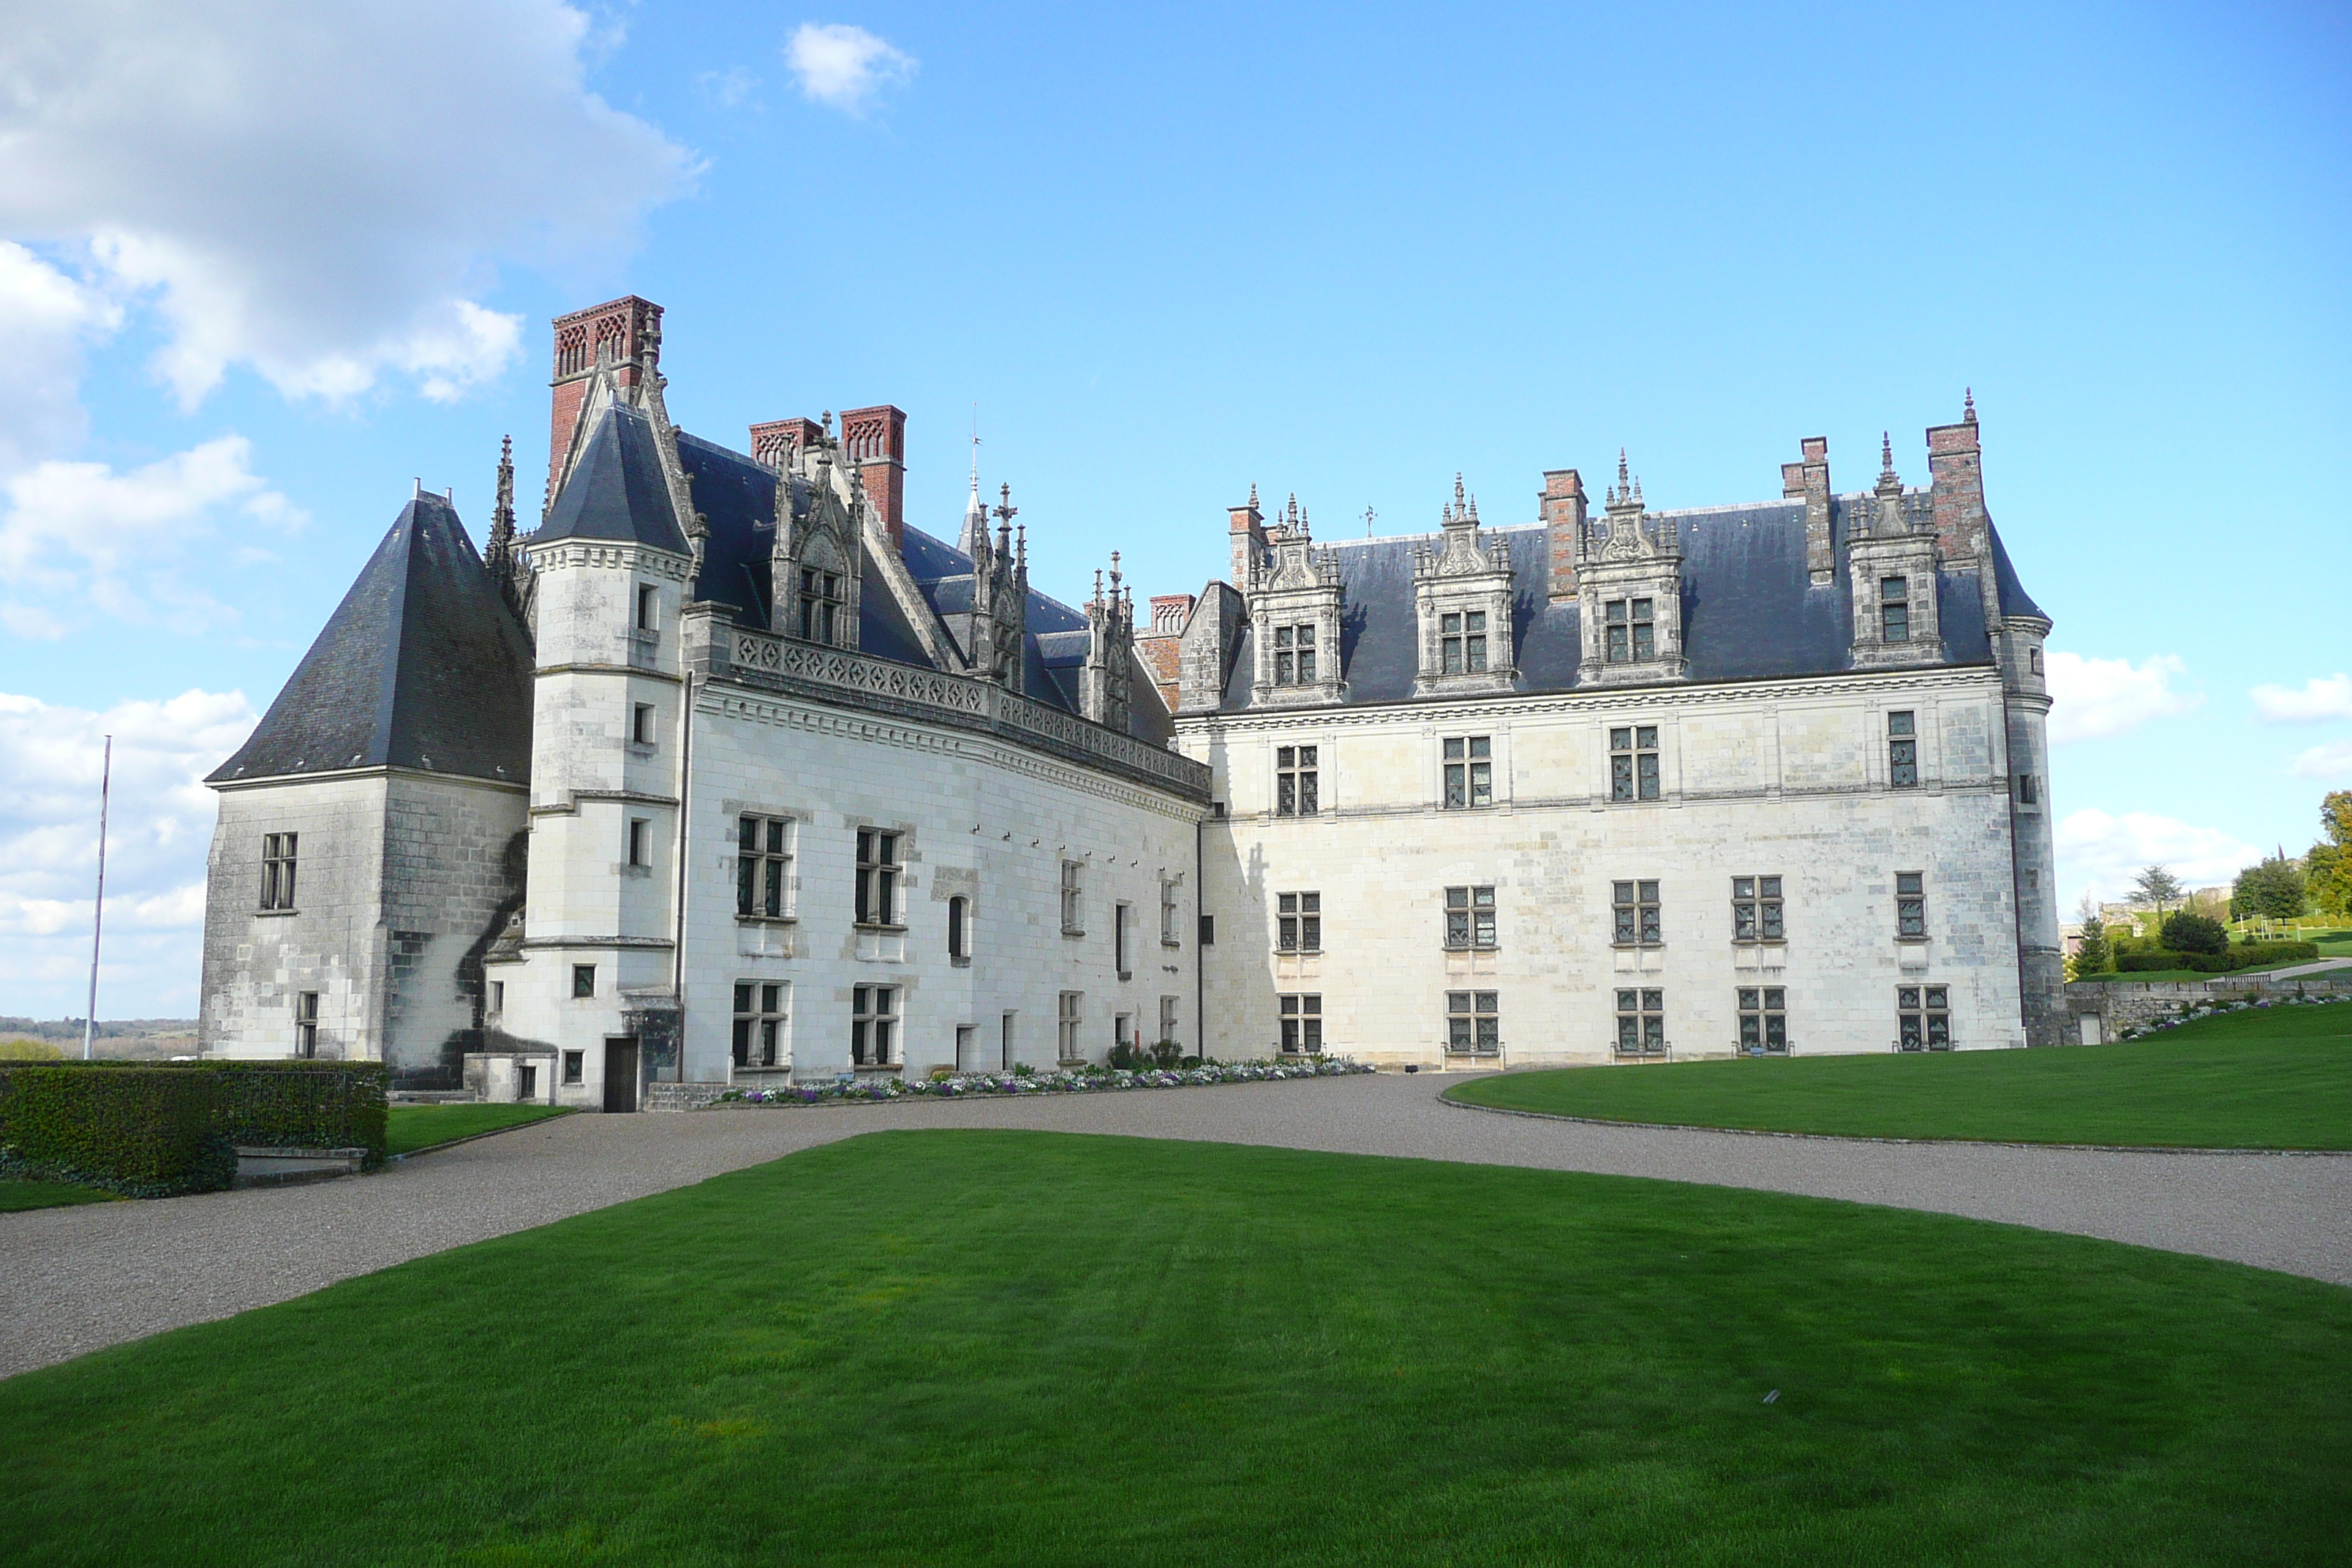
{"x": 960, "y": 929}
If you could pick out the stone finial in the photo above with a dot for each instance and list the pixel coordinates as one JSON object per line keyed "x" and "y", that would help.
{"x": 1969, "y": 406}
{"x": 1890, "y": 483}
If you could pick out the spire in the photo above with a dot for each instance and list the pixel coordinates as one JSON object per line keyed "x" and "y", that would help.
{"x": 1890, "y": 483}
{"x": 974, "y": 538}
{"x": 500, "y": 556}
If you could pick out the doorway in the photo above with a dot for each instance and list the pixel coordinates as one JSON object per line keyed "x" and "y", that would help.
{"x": 621, "y": 1072}
{"x": 1004, "y": 1046}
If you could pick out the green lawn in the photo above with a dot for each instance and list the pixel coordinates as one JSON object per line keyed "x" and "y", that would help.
{"x": 16, "y": 1194}
{"x": 951, "y": 1347}
{"x": 2273, "y": 1078}
{"x": 409, "y": 1128}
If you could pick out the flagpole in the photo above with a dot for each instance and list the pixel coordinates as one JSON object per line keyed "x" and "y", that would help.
{"x": 97, "y": 919}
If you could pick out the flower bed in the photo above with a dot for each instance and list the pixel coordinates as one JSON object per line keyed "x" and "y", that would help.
{"x": 1069, "y": 1080}
{"x": 2190, "y": 1012}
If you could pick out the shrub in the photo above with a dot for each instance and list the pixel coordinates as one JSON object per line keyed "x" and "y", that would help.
{"x": 145, "y": 1132}
{"x": 24, "y": 1051}
{"x": 2194, "y": 933}
{"x": 2260, "y": 955}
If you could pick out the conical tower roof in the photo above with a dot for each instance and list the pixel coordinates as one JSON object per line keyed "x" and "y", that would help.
{"x": 617, "y": 490}
{"x": 422, "y": 665}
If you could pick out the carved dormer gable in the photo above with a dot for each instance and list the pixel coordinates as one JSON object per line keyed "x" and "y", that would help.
{"x": 995, "y": 632}
{"x": 1630, "y": 594}
{"x": 1462, "y": 592}
{"x": 1891, "y": 561}
{"x": 816, "y": 563}
{"x": 1106, "y": 684}
{"x": 1295, "y": 599}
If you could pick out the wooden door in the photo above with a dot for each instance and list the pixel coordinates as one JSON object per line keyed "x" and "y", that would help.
{"x": 620, "y": 1073}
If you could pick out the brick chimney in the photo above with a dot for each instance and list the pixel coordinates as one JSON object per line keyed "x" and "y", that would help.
{"x": 1956, "y": 470}
{"x": 1161, "y": 647}
{"x": 1808, "y": 477}
{"x": 779, "y": 441}
{"x": 874, "y": 441}
{"x": 1563, "y": 504}
{"x": 620, "y": 331}
{"x": 1247, "y": 525}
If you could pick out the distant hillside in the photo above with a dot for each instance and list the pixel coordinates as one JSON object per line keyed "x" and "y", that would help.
{"x": 147, "y": 1039}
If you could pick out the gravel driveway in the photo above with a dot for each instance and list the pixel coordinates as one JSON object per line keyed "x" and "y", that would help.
{"x": 75, "y": 1279}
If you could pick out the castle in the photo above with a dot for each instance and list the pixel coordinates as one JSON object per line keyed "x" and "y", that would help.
{"x": 727, "y": 775}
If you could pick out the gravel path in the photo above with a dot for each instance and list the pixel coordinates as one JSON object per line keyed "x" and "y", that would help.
{"x": 75, "y": 1279}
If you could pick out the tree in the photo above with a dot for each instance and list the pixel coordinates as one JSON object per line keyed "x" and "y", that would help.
{"x": 2194, "y": 933}
{"x": 2327, "y": 869}
{"x": 2091, "y": 955}
{"x": 2157, "y": 885}
{"x": 2273, "y": 888}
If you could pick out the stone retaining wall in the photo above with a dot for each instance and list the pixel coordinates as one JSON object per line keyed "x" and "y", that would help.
{"x": 2129, "y": 1004}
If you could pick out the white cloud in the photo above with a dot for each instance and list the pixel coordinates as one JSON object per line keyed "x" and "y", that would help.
{"x": 46, "y": 317}
{"x": 160, "y": 823}
{"x": 2105, "y": 853}
{"x": 843, "y": 67}
{"x": 80, "y": 536}
{"x": 2095, "y": 699}
{"x": 730, "y": 89}
{"x": 2327, "y": 696}
{"x": 2330, "y": 763}
{"x": 318, "y": 188}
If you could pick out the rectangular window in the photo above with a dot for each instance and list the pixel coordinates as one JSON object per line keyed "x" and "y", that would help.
{"x": 1298, "y": 923}
{"x": 960, "y": 930}
{"x": 1633, "y": 761}
{"x": 1067, "y": 1021}
{"x": 498, "y": 995}
{"x": 1902, "y": 751}
{"x": 1171, "y": 913}
{"x": 575, "y": 1067}
{"x": 1469, "y": 771}
{"x": 1119, "y": 914}
{"x": 764, "y": 868}
{"x": 1167, "y": 1021}
{"x": 1894, "y": 609}
{"x": 2033, "y": 659}
{"x": 1923, "y": 1015}
{"x": 1461, "y": 642}
{"x": 1910, "y": 905}
{"x": 1469, "y": 917}
{"x": 277, "y": 870}
{"x": 821, "y": 605}
{"x": 877, "y": 878}
{"x": 760, "y": 1015}
{"x": 1641, "y": 1023}
{"x": 1763, "y": 1019}
{"x": 527, "y": 1081}
{"x": 1302, "y": 1025}
{"x": 1630, "y": 631}
{"x": 1473, "y": 1024}
{"x": 1073, "y": 896}
{"x": 1294, "y": 655}
{"x": 306, "y": 1024}
{"x": 1296, "y": 775}
{"x": 1636, "y": 907}
{"x": 584, "y": 980}
{"x": 641, "y": 724}
{"x": 640, "y": 841}
{"x": 1756, "y": 909}
{"x": 873, "y": 1026}
{"x": 2027, "y": 795}
{"x": 1208, "y": 931}
{"x": 648, "y": 606}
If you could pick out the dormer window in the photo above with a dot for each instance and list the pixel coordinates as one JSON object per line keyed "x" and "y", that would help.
{"x": 1461, "y": 643}
{"x": 1632, "y": 631}
{"x": 1894, "y": 609}
{"x": 1294, "y": 655}
{"x": 821, "y": 604}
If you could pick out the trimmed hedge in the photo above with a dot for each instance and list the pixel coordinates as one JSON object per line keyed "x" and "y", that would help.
{"x": 148, "y": 1133}
{"x": 155, "y": 1128}
{"x": 301, "y": 1105}
{"x": 2245, "y": 955}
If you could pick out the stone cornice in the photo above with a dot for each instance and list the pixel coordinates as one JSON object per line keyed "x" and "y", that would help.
{"x": 338, "y": 776}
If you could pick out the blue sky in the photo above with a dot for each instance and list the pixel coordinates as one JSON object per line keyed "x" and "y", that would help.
{"x": 264, "y": 267}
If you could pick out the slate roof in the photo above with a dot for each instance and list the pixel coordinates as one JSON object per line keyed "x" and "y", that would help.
{"x": 1751, "y": 610}
{"x": 617, "y": 490}
{"x": 422, "y": 665}
{"x": 736, "y": 497}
